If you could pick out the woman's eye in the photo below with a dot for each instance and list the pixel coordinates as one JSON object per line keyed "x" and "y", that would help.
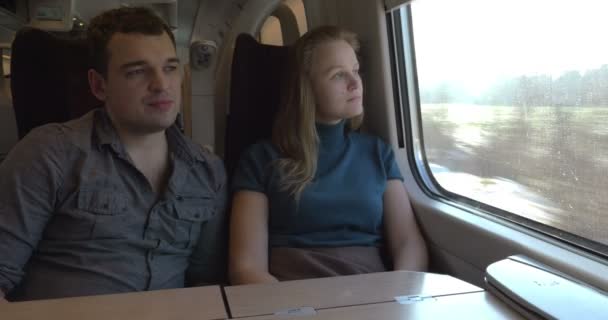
{"x": 338, "y": 75}
{"x": 170, "y": 68}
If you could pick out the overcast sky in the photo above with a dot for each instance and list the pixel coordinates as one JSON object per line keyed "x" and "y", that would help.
{"x": 480, "y": 41}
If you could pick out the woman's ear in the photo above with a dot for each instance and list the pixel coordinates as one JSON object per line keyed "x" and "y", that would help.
{"x": 97, "y": 83}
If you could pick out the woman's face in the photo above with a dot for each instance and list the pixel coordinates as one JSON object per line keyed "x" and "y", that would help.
{"x": 335, "y": 80}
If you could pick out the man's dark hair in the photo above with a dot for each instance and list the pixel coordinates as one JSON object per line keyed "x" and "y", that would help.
{"x": 121, "y": 20}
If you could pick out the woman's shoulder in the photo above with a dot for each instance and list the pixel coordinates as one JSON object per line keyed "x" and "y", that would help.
{"x": 254, "y": 167}
{"x": 262, "y": 150}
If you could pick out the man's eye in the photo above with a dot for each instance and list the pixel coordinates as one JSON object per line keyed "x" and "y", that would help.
{"x": 135, "y": 72}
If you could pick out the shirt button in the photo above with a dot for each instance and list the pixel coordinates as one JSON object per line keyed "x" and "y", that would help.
{"x": 179, "y": 198}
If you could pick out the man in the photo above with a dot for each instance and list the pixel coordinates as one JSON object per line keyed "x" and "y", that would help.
{"x": 118, "y": 200}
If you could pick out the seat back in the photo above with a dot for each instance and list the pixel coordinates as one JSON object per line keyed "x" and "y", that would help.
{"x": 257, "y": 76}
{"x": 49, "y": 79}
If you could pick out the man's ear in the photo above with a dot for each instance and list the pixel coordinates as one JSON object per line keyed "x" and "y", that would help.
{"x": 97, "y": 83}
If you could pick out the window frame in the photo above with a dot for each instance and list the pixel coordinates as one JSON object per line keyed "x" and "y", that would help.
{"x": 410, "y": 137}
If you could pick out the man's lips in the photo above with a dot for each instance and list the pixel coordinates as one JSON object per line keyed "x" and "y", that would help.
{"x": 161, "y": 104}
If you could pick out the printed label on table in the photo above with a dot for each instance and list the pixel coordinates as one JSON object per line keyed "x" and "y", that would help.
{"x": 301, "y": 311}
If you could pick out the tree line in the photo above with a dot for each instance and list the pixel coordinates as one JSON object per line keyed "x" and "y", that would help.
{"x": 571, "y": 89}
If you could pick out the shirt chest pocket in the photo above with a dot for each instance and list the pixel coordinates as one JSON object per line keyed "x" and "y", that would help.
{"x": 101, "y": 201}
{"x": 190, "y": 213}
{"x": 109, "y": 211}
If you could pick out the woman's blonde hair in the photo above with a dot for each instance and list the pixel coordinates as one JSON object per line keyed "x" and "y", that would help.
{"x": 294, "y": 132}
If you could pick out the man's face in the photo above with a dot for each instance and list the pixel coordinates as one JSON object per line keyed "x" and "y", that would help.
{"x": 142, "y": 88}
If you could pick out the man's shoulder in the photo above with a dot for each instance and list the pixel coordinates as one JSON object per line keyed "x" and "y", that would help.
{"x": 206, "y": 155}
{"x": 67, "y": 133}
{"x": 50, "y": 145}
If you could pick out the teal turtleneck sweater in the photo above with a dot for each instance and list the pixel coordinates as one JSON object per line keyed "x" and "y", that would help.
{"x": 342, "y": 206}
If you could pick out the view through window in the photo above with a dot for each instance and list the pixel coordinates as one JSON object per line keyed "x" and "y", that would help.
{"x": 514, "y": 106}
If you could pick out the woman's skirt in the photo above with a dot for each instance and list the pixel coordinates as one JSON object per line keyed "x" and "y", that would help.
{"x": 305, "y": 263}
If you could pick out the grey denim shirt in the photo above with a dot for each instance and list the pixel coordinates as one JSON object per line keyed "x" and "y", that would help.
{"x": 78, "y": 218}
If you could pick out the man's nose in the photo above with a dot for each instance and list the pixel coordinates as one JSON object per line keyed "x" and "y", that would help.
{"x": 159, "y": 81}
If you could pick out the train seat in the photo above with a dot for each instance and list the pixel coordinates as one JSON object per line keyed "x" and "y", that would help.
{"x": 257, "y": 75}
{"x": 49, "y": 79}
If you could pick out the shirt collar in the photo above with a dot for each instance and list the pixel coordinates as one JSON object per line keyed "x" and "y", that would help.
{"x": 106, "y": 135}
{"x": 104, "y": 130}
{"x": 183, "y": 147}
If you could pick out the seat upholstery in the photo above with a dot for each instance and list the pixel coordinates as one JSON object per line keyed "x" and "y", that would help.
{"x": 258, "y": 73}
{"x": 49, "y": 79}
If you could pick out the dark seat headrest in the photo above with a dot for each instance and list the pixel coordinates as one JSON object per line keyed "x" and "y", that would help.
{"x": 49, "y": 79}
{"x": 257, "y": 77}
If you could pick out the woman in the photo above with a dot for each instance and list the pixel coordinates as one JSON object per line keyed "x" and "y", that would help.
{"x": 319, "y": 199}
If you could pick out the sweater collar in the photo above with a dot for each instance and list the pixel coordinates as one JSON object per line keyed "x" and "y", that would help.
{"x": 331, "y": 135}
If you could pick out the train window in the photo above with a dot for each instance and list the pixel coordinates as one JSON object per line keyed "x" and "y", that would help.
{"x": 271, "y": 32}
{"x": 285, "y": 25}
{"x": 511, "y": 105}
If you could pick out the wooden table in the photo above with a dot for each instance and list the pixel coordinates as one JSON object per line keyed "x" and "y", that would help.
{"x": 388, "y": 295}
{"x": 203, "y": 303}
{"x": 475, "y": 305}
{"x": 359, "y": 290}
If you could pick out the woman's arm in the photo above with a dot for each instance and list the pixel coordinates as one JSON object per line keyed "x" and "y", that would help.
{"x": 405, "y": 242}
{"x": 248, "y": 253}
